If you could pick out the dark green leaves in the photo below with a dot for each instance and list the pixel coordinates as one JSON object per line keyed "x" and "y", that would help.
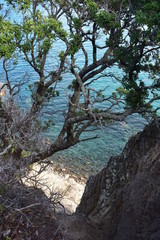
{"x": 75, "y": 43}
{"x": 7, "y": 38}
{"x": 105, "y": 19}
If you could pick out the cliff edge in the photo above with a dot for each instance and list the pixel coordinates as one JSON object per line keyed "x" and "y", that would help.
{"x": 123, "y": 200}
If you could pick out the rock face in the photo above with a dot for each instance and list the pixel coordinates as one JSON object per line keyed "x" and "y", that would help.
{"x": 124, "y": 198}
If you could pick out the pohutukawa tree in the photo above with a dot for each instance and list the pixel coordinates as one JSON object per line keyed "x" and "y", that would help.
{"x": 121, "y": 34}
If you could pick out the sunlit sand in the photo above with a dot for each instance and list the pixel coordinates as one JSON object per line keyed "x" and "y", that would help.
{"x": 3, "y": 90}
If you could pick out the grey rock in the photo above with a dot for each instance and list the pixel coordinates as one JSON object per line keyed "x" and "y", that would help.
{"x": 123, "y": 199}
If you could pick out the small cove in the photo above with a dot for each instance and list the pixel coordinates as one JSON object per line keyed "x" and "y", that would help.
{"x": 88, "y": 157}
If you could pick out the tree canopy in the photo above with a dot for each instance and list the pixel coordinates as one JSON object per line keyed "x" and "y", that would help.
{"x": 121, "y": 34}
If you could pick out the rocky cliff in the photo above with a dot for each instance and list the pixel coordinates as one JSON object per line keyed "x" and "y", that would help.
{"x": 124, "y": 198}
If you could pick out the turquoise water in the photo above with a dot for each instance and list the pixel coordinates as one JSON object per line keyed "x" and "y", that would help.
{"x": 90, "y": 156}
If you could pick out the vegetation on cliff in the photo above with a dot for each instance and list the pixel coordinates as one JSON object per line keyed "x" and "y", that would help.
{"x": 122, "y": 34}
{"x": 130, "y": 40}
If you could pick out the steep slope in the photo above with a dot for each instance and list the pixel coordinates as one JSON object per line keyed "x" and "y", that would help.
{"x": 124, "y": 198}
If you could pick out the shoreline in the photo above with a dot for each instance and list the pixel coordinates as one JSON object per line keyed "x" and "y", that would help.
{"x": 58, "y": 183}
{"x": 63, "y": 169}
{"x": 73, "y": 166}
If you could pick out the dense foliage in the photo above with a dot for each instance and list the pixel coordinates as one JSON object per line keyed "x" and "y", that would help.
{"x": 130, "y": 41}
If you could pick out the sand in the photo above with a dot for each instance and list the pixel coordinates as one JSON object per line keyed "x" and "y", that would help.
{"x": 68, "y": 190}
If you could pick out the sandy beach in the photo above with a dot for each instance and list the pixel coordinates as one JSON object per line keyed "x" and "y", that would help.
{"x": 68, "y": 188}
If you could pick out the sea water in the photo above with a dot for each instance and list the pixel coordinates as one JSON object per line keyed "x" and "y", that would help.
{"x": 89, "y": 156}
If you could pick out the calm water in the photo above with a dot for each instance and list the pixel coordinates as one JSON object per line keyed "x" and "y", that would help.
{"x": 90, "y": 156}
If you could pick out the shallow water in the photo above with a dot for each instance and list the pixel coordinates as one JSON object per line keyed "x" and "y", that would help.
{"x": 87, "y": 157}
